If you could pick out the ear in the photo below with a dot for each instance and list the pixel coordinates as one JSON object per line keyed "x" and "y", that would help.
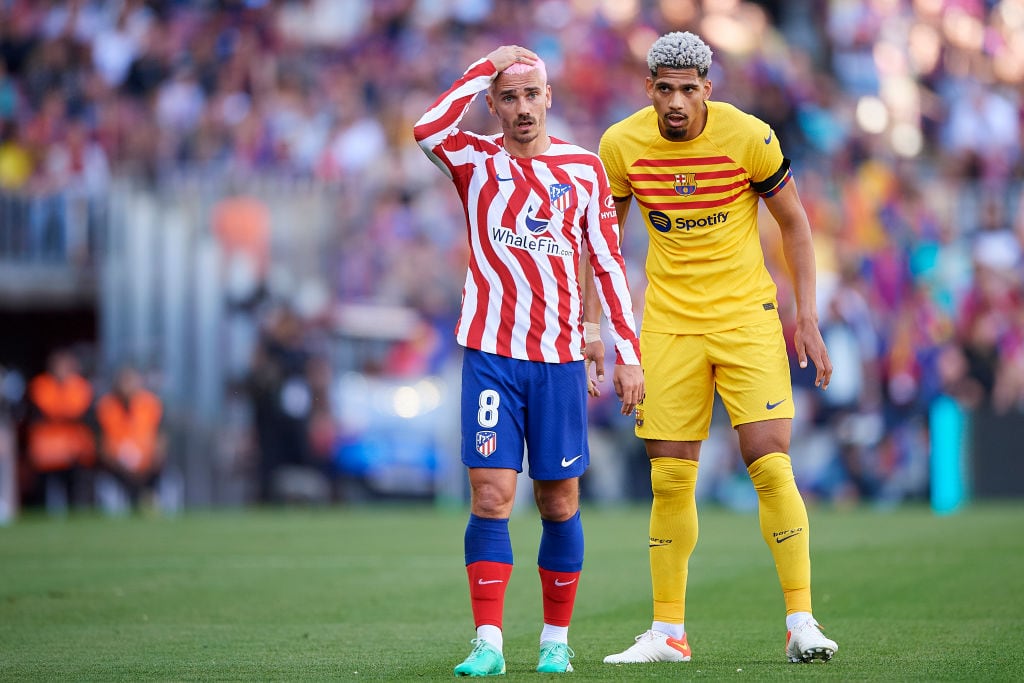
{"x": 707, "y": 89}
{"x": 649, "y": 87}
{"x": 548, "y": 89}
{"x": 490, "y": 104}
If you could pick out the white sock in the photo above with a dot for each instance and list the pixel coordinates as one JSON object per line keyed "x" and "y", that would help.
{"x": 491, "y": 634}
{"x": 674, "y": 630}
{"x": 797, "y": 618}
{"x": 559, "y": 634}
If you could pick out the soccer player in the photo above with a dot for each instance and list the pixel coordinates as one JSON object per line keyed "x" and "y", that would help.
{"x": 698, "y": 169}
{"x": 533, "y": 204}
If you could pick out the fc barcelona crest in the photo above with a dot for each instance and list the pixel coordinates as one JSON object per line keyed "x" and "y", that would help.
{"x": 686, "y": 183}
{"x": 486, "y": 442}
{"x": 562, "y": 196}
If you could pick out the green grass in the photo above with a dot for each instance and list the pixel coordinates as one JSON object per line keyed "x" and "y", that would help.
{"x": 380, "y": 593}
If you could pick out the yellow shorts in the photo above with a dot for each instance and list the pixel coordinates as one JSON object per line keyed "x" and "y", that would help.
{"x": 748, "y": 366}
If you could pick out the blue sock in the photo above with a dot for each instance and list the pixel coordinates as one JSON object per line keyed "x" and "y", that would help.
{"x": 487, "y": 540}
{"x": 561, "y": 545}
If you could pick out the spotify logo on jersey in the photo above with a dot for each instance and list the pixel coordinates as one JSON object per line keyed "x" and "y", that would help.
{"x": 660, "y": 221}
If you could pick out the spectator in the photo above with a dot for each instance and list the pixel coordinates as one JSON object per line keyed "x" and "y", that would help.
{"x": 16, "y": 165}
{"x": 115, "y": 47}
{"x": 78, "y": 164}
{"x": 282, "y": 401}
{"x": 10, "y": 96}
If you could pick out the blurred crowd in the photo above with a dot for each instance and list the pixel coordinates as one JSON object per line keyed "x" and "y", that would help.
{"x": 903, "y": 119}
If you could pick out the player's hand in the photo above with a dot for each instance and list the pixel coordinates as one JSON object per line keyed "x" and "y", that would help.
{"x": 507, "y": 55}
{"x": 593, "y": 355}
{"x": 809, "y": 344}
{"x": 629, "y": 386}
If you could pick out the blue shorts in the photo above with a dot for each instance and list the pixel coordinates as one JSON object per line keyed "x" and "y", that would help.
{"x": 508, "y": 403}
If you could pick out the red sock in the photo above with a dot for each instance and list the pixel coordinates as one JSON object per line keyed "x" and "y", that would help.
{"x": 559, "y": 591}
{"x": 487, "y": 584}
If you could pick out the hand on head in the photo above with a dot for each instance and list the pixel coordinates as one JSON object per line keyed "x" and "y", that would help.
{"x": 507, "y": 55}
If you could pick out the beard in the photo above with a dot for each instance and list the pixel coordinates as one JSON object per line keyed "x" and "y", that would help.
{"x": 673, "y": 133}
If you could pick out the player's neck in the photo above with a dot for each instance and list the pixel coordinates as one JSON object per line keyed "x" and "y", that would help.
{"x": 533, "y": 148}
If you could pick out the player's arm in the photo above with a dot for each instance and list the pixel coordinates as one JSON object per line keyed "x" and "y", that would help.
{"x": 437, "y": 131}
{"x": 622, "y": 205}
{"x": 627, "y": 376}
{"x": 612, "y": 164}
{"x": 593, "y": 352}
{"x": 593, "y": 344}
{"x": 613, "y": 290}
{"x": 798, "y": 247}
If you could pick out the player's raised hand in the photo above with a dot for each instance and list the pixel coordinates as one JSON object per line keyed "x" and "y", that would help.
{"x": 507, "y": 55}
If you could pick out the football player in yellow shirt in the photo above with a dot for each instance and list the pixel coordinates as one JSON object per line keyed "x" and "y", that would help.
{"x": 698, "y": 169}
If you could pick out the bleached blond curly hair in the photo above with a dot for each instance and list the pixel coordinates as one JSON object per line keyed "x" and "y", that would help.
{"x": 679, "y": 50}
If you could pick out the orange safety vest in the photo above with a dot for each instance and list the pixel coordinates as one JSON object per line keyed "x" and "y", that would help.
{"x": 130, "y": 431}
{"x": 60, "y": 439}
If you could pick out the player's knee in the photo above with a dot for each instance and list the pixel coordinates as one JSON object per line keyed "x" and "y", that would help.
{"x": 557, "y": 504}
{"x": 685, "y": 450}
{"x": 492, "y": 500}
{"x": 557, "y": 511}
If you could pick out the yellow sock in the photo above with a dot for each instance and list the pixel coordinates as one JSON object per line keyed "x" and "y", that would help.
{"x": 784, "y": 527}
{"x": 673, "y": 534}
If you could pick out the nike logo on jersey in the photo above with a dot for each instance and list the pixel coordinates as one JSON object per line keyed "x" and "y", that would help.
{"x": 489, "y": 581}
{"x": 772, "y": 406}
{"x": 503, "y": 179}
{"x": 565, "y": 583}
{"x": 768, "y": 139}
{"x": 566, "y": 463}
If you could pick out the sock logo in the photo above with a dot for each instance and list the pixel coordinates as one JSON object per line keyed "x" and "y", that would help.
{"x": 657, "y": 542}
{"x": 781, "y": 536}
{"x": 564, "y": 583}
{"x": 482, "y": 582}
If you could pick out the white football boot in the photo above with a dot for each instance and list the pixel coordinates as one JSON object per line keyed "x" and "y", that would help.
{"x": 806, "y": 643}
{"x": 653, "y": 646}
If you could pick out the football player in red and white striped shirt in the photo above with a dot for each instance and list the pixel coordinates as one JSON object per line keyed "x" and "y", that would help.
{"x": 534, "y": 204}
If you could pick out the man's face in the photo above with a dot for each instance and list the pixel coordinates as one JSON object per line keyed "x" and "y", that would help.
{"x": 520, "y": 101}
{"x": 678, "y": 97}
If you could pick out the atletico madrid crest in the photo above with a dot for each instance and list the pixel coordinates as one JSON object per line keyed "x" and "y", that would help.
{"x": 562, "y": 196}
{"x": 486, "y": 443}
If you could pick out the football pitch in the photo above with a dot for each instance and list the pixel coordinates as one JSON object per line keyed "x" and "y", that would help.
{"x": 379, "y": 593}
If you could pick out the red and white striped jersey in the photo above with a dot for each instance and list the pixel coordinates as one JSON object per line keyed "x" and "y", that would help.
{"x": 528, "y": 220}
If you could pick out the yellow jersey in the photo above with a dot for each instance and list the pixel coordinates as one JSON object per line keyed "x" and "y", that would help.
{"x": 699, "y": 201}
